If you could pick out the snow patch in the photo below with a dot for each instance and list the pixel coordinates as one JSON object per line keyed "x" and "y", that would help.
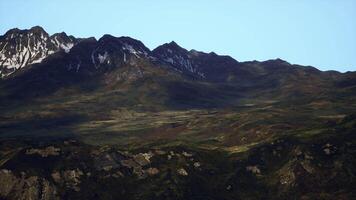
{"x": 78, "y": 66}
{"x": 132, "y": 50}
{"x": 93, "y": 59}
{"x": 102, "y": 58}
{"x": 66, "y": 47}
{"x": 170, "y": 60}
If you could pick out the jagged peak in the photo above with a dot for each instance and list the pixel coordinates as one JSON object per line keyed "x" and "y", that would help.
{"x": 171, "y": 47}
{"x": 107, "y": 37}
{"x": 277, "y": 61}
{"x": 37, "y": 29}
{"x": 173, "y": 43}
{"x": 124, "y": 42}
{"x": 13, "y": 30}
{"x": 121, "y": 39}
{"x": 213, "y": 53}
{"x": 64, "y": 37}
{"x": 61, "y": 34}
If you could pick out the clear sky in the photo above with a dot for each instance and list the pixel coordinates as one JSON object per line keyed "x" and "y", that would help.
{"x": 321, "y": 33}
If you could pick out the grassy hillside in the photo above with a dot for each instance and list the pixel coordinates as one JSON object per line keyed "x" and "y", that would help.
{"x": 301, "y": 166}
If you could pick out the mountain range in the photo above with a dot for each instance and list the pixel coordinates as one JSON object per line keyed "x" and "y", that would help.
{"x": 82, "y": 118}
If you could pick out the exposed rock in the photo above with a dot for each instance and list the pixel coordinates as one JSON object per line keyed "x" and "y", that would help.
{"x": 56, "y": 176}
{"x": 48, "y": 151}
{"x": 187, "y": 154}
{"x": 107, "y": 168}
{"x": 69, "y": 142}
{"x": 118, "y": 174}
{"x": 297, "y": 151}
{"x": 69, "y": 178}
{"x": 286, "y": 175}
{"x": 20, "y": 48}
{"x": 7, "y": 182}
{"x": 329, "y": 149}
{"x": 152, "y": 171}
{"x": 254, "y": 169}
{"x": 143, "y": 158}
{"x": 160, "y": 152}
{"x": 23, "y": 188}
{"x": 129, "y": 163}
{"x": 139, "y": 172}
{"x": 148, "y": 155}
{"x": 307, "y": 166}
{"x": 196, "y": 164}
{"x": 136, "y": 164}
{"x": 182, "y": 172}
{"x": 287, "y": 179}
{"x": 72, "y": 178}
{"x": 308, "y": 157}
{"x": 328, "y": 145}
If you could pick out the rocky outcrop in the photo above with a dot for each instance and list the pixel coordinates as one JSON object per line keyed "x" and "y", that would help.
{"x": 23, "y": 187}
{"x": 182, "y": 171}
{"x": 68, "y": 178}
{"x": 48, "y": 151}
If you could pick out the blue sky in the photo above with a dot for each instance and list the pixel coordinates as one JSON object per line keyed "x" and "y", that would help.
{"x": 321, "y": 33}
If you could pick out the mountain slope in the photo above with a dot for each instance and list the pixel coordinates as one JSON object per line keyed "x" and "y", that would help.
{"x": 115, "y": 75}
{"x": 111, "y": 119}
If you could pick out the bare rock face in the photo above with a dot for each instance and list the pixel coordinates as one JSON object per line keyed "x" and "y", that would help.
{"x": 116, "y": 51}
{"x": 48, "y": 151}
{"x": 152, "y": 171}
{"x": 109, "y": 161}
{"x": 329, "y": 149}
{"x": 138, "y": 162}
{"x": 287, "y": 176}
{"x": 254, "y": 169}
{"x": 182, "y": 172}
{"x": 24, "y": 187}
{"x": 143, "y": 158}
{"x": 197, "y": 164}
{"x": 68, "y": 178}
{"x": 7, "y": 181}
{"x": 186, "y": 154}
{"x": 19, "y": 48}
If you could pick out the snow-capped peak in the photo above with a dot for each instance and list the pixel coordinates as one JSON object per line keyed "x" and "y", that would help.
{"x": 178, "y": 57}
{"x": 19, "y": 48}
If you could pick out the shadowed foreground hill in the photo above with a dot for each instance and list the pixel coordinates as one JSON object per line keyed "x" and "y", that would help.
{"x": 303, "y": 166}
